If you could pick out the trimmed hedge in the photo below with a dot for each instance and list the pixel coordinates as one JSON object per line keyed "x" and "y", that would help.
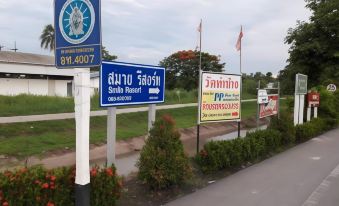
{"x": 41, "y": 187}
{"x": 218, "y": 155}
{"x": 163, "y": 162}
{"x": 258, "y": 145}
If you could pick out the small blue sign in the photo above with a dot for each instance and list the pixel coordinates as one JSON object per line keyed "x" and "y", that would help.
{"x": 127, "y": 84}
{"x": 77, "y": 26}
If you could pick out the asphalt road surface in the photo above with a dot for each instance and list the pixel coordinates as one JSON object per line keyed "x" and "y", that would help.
{"x": 306, "y": 175}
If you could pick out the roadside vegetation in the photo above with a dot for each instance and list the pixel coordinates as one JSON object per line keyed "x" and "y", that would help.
{"x": 56, "y": 186}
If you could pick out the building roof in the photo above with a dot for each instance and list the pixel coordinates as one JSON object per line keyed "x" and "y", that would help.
{"x": 26, "y": 63}
{"x": 26, "y": 58}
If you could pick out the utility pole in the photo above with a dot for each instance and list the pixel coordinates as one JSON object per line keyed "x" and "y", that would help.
{"x": 15, "y": 48}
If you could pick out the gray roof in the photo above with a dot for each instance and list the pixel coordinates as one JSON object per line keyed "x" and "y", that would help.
{"x": 26, "y": 58}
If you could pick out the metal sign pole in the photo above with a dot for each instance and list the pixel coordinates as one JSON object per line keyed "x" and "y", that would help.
{"x": 258, "y": 107}
{"x": 82, "y": 113}
{"x": 111, "y": 134}
{"x": 278, "y": 100}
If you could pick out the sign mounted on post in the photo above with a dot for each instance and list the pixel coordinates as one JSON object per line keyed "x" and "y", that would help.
{"x": 262, "y": 96}
{"x": 301, "y": 84}
{"x": 220, "y": 97}
{"x": 127, "y": 84}
{"x": 313, "y": 99}
{"x": 331, "y": 88}
{"x": 77, "y": 26}
{"x": 270, "y": 108}
{"x": 299, "y": 98}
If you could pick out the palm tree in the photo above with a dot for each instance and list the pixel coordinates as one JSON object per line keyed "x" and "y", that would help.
{"x": 47, "y": 38}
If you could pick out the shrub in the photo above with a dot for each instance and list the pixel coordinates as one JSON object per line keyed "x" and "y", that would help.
{"x": 41, "y": 187}
{"x": 311, "y": 129}
{"x": 163, "y": 162}
{"x": 285, "y": 126}
{"x": 218, "y": 155}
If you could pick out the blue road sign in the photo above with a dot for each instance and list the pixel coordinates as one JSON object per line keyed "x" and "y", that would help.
{"x": 126, "y": 84}
{"x": 77, "y": 26}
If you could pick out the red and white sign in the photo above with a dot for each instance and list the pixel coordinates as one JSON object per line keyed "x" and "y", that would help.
{"x": 271, "y": 108}
{"x": 313, "y": 99}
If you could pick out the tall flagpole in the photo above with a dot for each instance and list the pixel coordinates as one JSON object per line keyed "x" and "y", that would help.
{"x": 240, "y": 65}
{"x": 199, "y": 95}
{"x": 200, "y": 46}
{"x": 240, "y": 51}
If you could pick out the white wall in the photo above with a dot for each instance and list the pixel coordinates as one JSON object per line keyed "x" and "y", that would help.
{"x": 61, "y": 87}
{"x": 12, "y": 87}
{"x": 94, "y": 85}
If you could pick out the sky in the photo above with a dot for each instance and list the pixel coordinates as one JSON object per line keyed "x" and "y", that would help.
{"x": 147, "y": 31}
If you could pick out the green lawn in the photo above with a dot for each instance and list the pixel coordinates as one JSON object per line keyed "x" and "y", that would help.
{"x": 34, "y": 138}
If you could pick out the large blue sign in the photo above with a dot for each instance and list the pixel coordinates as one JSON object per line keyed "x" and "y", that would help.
{"x": 126, "y": 84}
{"x": 77, "y": 26}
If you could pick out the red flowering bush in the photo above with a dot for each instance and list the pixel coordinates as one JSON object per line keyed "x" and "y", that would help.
{"x": 163, "y": 162}
{"x": 40, "y": 187}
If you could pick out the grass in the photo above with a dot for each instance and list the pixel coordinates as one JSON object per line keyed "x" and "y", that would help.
{"x": 35, "y": 138}
{"x": 33, "y": 105}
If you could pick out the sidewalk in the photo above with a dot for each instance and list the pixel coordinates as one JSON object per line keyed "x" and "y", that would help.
{"x": 305, "y": 175}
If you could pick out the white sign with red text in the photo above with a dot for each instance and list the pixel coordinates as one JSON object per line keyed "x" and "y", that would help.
{"x": 220, "y": 97}
{"x": 270, "y": 108}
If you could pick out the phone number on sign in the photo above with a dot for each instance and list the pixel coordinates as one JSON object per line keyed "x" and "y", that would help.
{"x": 120, "y": 98}
{"x": 81, "y": 59}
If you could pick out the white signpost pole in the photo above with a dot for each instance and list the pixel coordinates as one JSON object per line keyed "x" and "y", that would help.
{"x": 82, "y": 113}
{"x": 111, "y": 134}
{"x": 301, "y": 108}
{"x": 309, "y": 109}
{"x": 296, "y": 109}
{"x": 151, "y": 115}
{"x": 315, "y": 112}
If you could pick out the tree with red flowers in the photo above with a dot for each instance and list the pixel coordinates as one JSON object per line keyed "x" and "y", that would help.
{"x": 182, "y": 68}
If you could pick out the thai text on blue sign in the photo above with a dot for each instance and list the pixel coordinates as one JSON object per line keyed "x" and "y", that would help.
{"x": 77, "y": 26}
{"x": 127, "y": 84}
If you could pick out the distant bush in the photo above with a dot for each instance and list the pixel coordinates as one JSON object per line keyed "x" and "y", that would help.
{"x": 163, "y": 162}
{"x": 218, "y": 155}
{"x": 40, "y": 187}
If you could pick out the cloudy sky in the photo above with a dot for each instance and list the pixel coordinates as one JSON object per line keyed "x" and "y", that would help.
{"x": 146, "y": 31}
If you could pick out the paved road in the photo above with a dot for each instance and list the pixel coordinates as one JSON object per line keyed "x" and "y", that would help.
{"x": 60, "y": 116}
{"x": 306, "y": 175}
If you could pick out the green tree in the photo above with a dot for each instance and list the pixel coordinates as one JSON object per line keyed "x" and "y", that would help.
{"x": 47, "y": 38}
{"x": 314, "y": 46}
{"x": 105, "y": 56}
{"x": 182, "y": 68}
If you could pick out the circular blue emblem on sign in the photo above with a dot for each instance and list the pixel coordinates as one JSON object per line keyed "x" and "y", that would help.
{"x": 76, "y": 20}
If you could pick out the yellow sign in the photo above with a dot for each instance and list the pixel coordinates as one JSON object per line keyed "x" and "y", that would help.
{"x": 219, "y": 97}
